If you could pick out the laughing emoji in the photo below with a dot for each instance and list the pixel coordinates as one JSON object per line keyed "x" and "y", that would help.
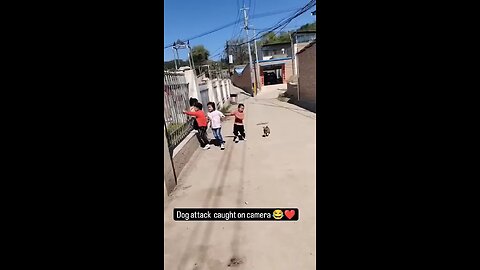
{"x": 277, "y": 214}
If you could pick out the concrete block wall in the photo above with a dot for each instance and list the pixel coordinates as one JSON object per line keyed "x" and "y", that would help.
{"x": 243, "y": 81}
{"x": 168, "y": 172}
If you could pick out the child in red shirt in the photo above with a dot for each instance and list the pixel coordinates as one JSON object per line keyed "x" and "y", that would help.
{"x": 201, "y": 120}
{"x": 238, "y": 128}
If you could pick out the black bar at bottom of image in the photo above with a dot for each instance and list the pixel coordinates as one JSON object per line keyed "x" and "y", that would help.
{"x": 235, "y": 214}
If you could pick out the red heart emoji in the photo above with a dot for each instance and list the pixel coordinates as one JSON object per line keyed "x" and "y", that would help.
{"x": 289, "y": 213}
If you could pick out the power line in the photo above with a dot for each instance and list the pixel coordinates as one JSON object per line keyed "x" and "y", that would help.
{"x": 230, "y": 24}
{"x": 282, "y": 23}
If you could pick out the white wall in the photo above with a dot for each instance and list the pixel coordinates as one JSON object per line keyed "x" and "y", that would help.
{"x": 193, "y": 90}
{"x": 211, "y": 94}
{"x": 219, "y": 93}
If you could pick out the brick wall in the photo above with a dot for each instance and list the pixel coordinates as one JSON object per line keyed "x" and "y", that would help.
{"x": 307, "y": 71}
{"x": 288, "y": 70}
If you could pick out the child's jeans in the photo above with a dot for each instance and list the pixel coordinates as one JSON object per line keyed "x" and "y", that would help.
{"x": 217, "y": 133}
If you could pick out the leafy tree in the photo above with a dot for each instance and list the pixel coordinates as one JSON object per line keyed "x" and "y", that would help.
{"x": 271, "y": 38}
{"x": 200, "y": 55}
{"x": 170, "y": 65}
{"x": 309, "y": 26}
{"x": 239, "y": 52}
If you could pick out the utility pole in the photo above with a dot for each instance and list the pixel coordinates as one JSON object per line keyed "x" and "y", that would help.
{"x": 190, "y": 56}
{"x": 245, "y": 19}
{"x": 174, "y": 58}
{"x": 228, "y": 58}
{"x": 257, "y": 72}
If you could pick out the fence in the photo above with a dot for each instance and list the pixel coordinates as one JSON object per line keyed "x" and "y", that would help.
{"x": 176, "y": 100}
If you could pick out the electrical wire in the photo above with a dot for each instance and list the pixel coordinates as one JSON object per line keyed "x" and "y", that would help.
{"x": 230, "y": 24}
{"x": 281, "y": 24}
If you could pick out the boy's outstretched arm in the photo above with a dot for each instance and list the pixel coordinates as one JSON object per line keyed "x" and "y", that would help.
{"x": 189, "y": 113}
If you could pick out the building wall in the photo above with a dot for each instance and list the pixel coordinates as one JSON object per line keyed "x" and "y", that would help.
{"x": 243, "y": 81}
{"x": 296, "y": 48}
{"x": 307, "y": 68}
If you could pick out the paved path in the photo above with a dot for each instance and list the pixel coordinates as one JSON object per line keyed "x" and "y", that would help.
{"x": 277, "y": 171}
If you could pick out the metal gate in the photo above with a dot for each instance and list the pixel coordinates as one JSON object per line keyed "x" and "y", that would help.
{"x": 176, "y": 101}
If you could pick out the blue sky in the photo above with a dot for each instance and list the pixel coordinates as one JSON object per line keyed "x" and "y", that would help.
{"x": 188, "y": 18}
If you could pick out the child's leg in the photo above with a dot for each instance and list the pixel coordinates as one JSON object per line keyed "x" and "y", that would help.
{"x": 215, "y": 133}
{"x": 199, "y": 138}
{"x": 203, "y": 135}
{"x": 235, "y": 131}
{"x": 219, "y": 134}
{"x": 241, "y": 129}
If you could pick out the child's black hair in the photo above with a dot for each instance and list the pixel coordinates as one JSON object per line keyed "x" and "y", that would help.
{"x": 241, "y": 105}
{"x": 198, "y": 105}
{"x": 193, "y": 101}
{"x": 211, "y": 104}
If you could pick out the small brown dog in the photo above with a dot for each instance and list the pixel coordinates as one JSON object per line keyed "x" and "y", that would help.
{"x": 266, "y": 131}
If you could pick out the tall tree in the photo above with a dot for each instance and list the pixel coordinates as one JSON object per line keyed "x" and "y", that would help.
{"x": 200, "y": 55}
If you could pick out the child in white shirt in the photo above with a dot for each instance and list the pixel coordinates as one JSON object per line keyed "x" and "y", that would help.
{"x": 215, "y": 120}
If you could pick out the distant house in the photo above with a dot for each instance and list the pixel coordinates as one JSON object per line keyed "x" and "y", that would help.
{"x": 275, "y": 64}
{"x": 300, "y": 39}
{"x": 276, "y": 50}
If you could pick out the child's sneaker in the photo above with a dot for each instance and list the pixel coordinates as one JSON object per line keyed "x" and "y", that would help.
{"x": 206, "y": 147}
{"x": 195, "y": 131}
{"x": 222, "y": 147}
{"x": 237, "y": 139}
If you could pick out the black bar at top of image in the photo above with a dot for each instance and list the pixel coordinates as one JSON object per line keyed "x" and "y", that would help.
{"x": 235, "y": 214}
